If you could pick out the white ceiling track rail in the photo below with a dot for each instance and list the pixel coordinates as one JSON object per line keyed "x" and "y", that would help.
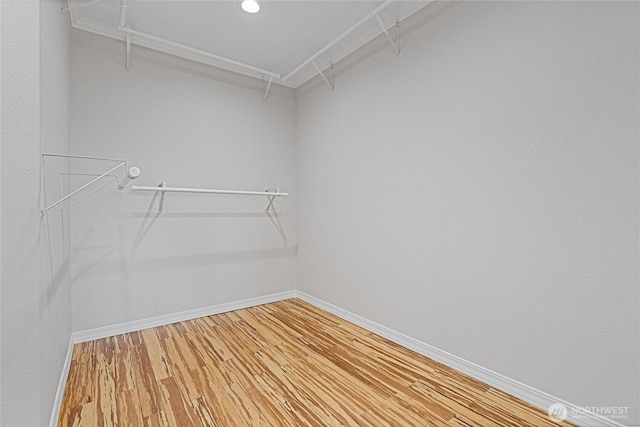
{"x": 271, "y": 194}
{"x": 141, "y": 35}
{"x": 130, "y": 173}
{"x": 122, "y": 30}
{"x": 374, "y": 13}
{"x": 129, "y": 32}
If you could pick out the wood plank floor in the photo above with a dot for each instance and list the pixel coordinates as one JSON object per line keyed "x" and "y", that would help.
{"x": 282, "y": 364}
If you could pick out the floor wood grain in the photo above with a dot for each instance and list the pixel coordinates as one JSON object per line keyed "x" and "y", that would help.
{"x": 282, "y": 364}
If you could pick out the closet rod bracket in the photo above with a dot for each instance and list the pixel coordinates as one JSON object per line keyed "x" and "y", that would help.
{"x": 161, "y": 207}
{"x": 271, "y": 198}
{"x": 130, "y": 173}
{"x": 330, "y": 83}
{"x": 395, "y": 44}
{"x": 266, "y": 91}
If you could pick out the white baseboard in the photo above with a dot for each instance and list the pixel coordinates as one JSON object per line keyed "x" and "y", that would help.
{"x": 57, "y": 403}
{"x": 152, "y": 322}
{"x": 515, "y": 388}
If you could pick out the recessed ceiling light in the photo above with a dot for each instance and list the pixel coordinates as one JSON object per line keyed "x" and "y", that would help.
{"x": 250, "y": 6}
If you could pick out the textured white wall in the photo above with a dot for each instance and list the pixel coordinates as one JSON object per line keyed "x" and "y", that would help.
{"x": 480, "y": 193}
{"x": 36, "y": 309}
{"x": 54, "y": 294}
{"x": 20, "y": 213}
{"x": 184, "y": 125}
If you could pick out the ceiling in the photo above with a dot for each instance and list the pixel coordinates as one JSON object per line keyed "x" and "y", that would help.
{"x": 275, "y": 44}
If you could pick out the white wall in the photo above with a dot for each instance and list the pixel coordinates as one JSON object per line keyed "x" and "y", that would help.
{"x": 55, "y": 290}
{"x": 20, "y": 212}
{"x": 190, "y": 126}
{"x": 480, "y": 193}
{"x": 36, "y": 310}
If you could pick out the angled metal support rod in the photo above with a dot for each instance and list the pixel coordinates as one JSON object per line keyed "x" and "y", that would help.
{"x": 128, "y": 60}
{"x": 100, "y": 187}
{"x": 394, "y": 45}
{"x": 83, "y": 187}
{"x": 130, "y": 173}
{"x": 271, "y": 198}
{"x": 266, "y": 91}
{"x": 161, "y": 208}
{"x": 330, "y": 83}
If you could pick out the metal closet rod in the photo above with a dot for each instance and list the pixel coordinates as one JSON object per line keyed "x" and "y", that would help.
{"x": 199, "y": 52}
{"x": 128, "y": 32}
{"x": 122, "y": 26}
{"x": 207, "y": 191}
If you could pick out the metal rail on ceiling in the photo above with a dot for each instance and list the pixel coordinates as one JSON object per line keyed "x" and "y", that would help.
{"x": 134, "y": 36}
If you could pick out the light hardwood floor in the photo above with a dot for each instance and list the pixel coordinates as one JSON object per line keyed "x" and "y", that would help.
{"x": 282, "y": 364}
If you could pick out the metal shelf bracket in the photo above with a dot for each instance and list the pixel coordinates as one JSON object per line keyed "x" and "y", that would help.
{"x": 330, "y": 83}
{"x": 395, "y": 44}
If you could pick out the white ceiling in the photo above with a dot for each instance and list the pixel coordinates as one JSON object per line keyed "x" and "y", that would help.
{"x": 278, "y": 39}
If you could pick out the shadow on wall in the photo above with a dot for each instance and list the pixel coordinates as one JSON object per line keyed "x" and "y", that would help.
{"x": 102, "y": 264}
{"x": 275, "y": 219}
{"x": 150, "y": 218}
{"x": 105, "y": 266}
{"x": 57, "y": 269}
{"x": 187, "y": 215}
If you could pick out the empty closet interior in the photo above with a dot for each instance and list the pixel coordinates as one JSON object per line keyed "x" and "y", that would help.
{"x": 456, "y": 179}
